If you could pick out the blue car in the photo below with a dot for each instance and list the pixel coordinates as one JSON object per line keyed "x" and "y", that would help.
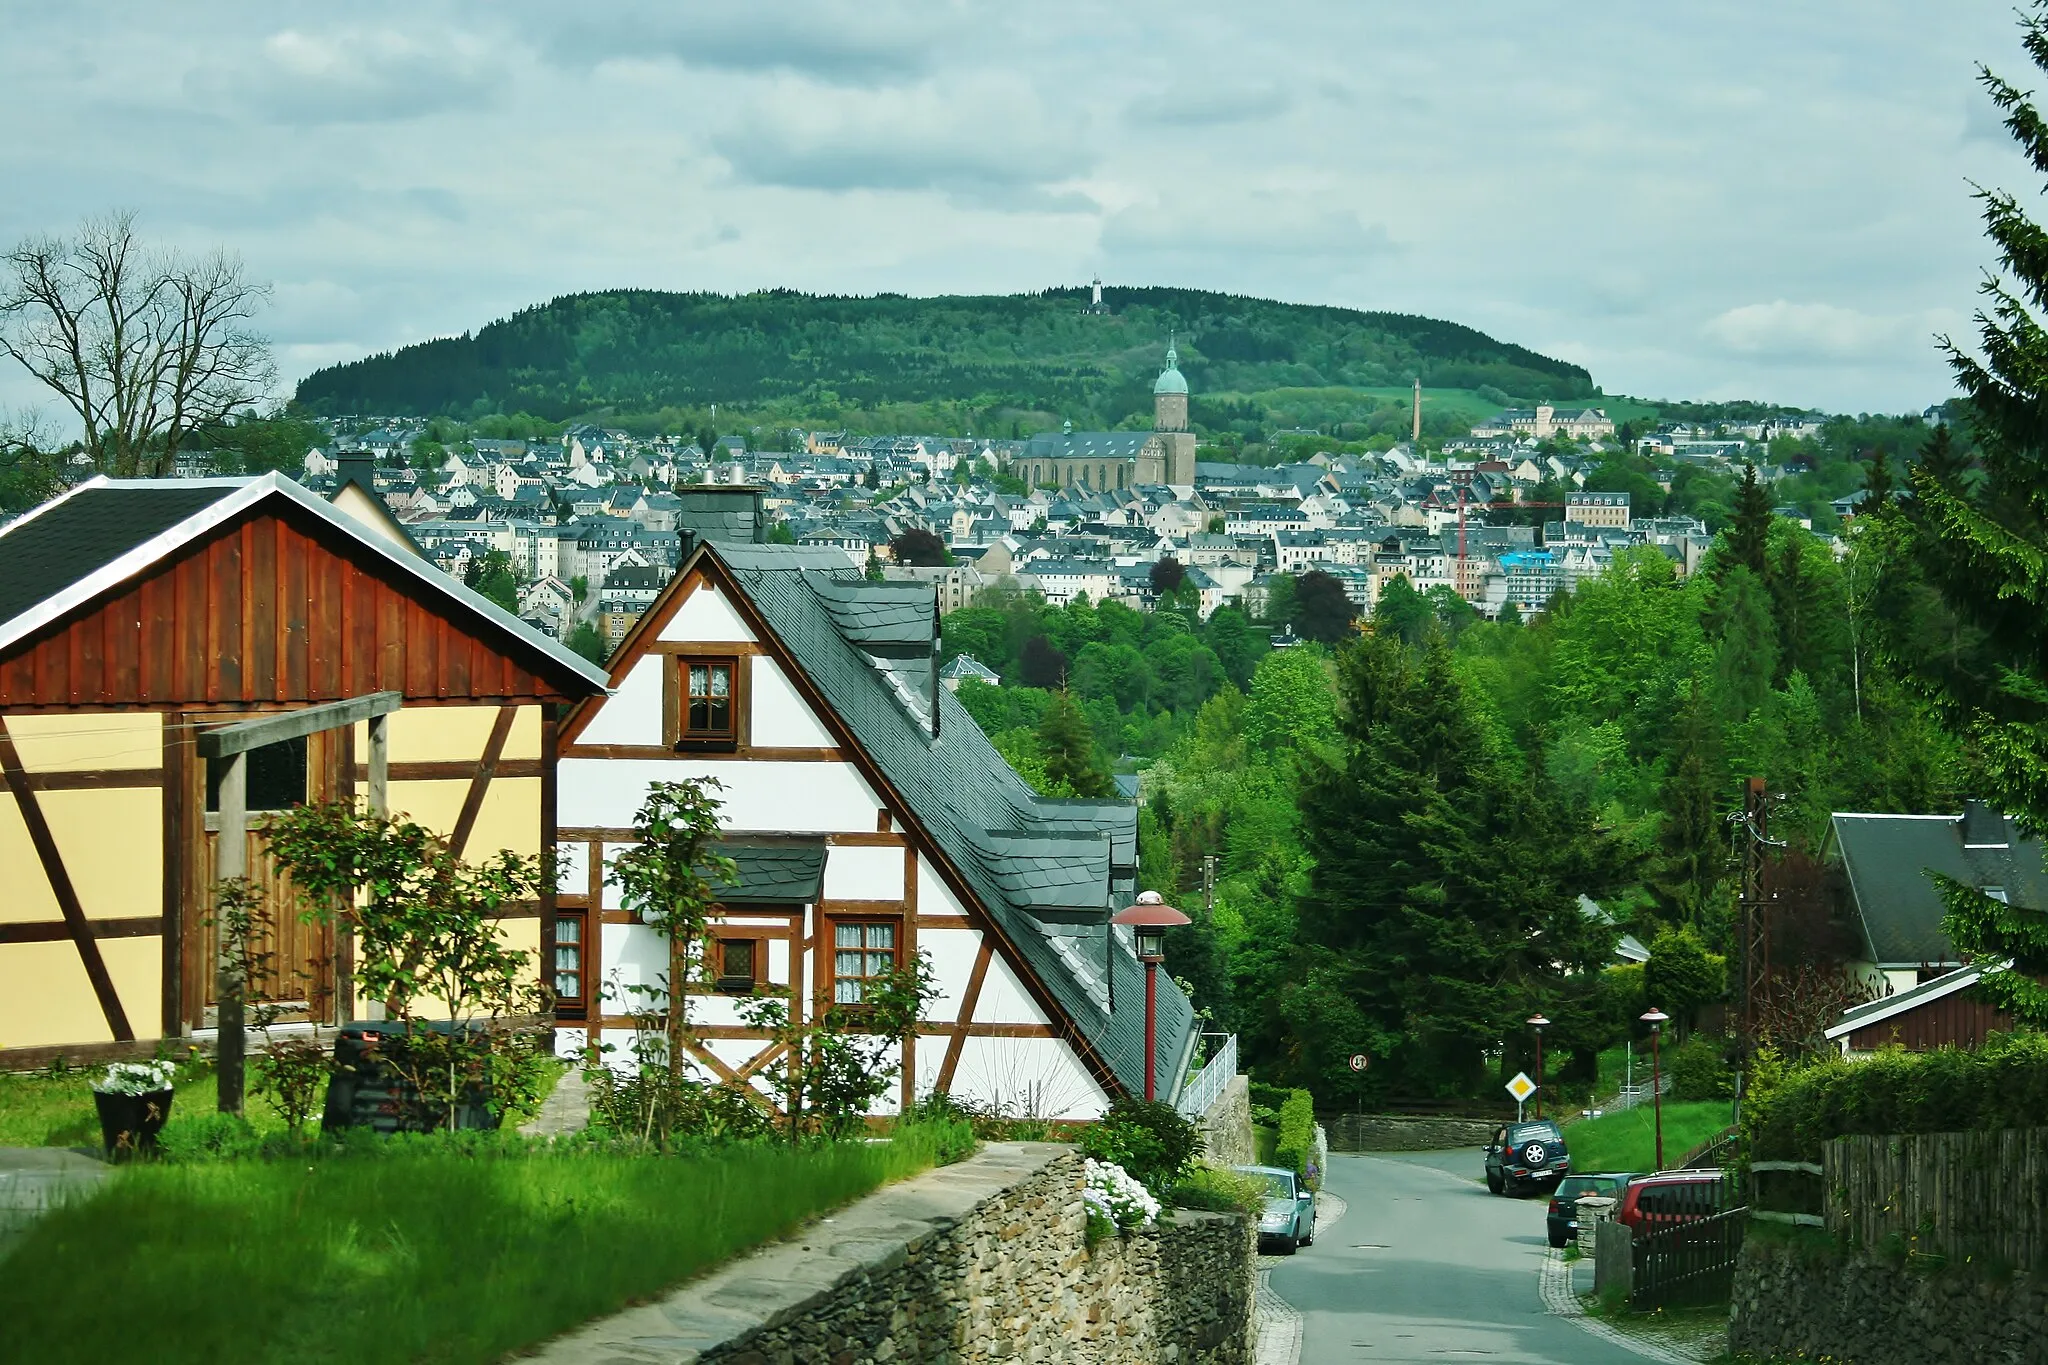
{"x": 1289, "y": 1217}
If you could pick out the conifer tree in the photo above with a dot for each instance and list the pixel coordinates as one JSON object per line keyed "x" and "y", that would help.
{"x": 1981, "y": 536}
{"x": 1069, "y": 749}
{"x": 1749, "y": 529}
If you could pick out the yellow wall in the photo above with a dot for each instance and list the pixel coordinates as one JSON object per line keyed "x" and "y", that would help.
{"x": 74, "y": 743}
{"x": 46, "y": 999}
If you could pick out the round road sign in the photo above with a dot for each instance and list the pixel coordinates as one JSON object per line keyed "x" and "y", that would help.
{"x": 1358, "y": 1060}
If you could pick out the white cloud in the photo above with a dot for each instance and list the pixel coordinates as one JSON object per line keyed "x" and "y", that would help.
{"x": 352, "y": 75}
{"x": 1804, "y": 331}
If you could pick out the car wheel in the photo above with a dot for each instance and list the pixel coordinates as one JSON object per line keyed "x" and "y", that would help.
{"x": 1288, "y": 1245}
{"x": 1493, "y": 1183}
{"x": 1558, "y": 1239}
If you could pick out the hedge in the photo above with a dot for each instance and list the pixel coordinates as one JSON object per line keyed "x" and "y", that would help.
{"x": 1297, "y": 1143}
{"x": 2003, "y": 1084}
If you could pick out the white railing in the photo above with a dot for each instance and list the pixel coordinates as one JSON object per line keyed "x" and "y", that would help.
{"x": 1201, "y": 1092}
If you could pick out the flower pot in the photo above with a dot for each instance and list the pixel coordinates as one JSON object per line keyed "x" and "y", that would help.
{"x": 130, "y": 1123}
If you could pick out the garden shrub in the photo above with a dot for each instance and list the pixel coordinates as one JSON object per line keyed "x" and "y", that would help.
{"x": 1699, "y": 1071}
{"x": 2003, "y": 1084}
{"x": 1296, "y": 1148}
{"x": 1151, "y": 1141}
{"x": 1219, "y": 1190}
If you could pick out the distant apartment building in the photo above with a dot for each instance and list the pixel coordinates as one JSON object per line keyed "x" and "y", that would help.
{"x": 1545, "y": 421}
{"x": 1597, "y": 509}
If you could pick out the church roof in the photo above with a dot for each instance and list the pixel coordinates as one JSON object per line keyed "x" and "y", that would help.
{"x": 1170, "y": 379}
{"x": 1085, "y": 445}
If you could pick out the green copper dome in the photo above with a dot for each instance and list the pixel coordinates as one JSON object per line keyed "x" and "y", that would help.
{"x": 1170, "y": 379}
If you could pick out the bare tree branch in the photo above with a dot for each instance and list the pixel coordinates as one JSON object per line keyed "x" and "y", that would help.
{"x": 144, "y": 348}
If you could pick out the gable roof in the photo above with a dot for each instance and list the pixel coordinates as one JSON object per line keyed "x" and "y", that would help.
{"x": 107, "y": 532}
{"x": 1877, "y": 1011}
{"x": 1046, "y": 872}
{"x": 1888, "y": 859}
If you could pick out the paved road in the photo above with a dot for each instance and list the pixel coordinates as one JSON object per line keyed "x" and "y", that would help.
{"x": 1428, "y": 1267}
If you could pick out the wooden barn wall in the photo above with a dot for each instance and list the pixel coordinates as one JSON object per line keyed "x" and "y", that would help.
{"x": 264, "y": 611}
{"x": 1962, "y": 1019}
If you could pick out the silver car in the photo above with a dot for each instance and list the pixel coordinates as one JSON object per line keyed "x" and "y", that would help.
{"x": 1289, "y": 1217}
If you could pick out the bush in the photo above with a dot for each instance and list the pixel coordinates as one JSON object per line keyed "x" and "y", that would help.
{"x": 1296, "y": 1149}
{"x": 1151, "y": 1141}
{"x": 941, "y": 1141}
{"x": 1219, "y": 1190}
{"x": 2003, "y": 1084}
{"x": 1700, "y": 1072}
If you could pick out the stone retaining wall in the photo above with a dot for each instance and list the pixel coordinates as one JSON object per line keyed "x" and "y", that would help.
{"x": 983, "y": 1261}
{"x": 1227, "y": 1127}
{"x": 1404, "y": 1133}
{"x": 1801, "y": 1301}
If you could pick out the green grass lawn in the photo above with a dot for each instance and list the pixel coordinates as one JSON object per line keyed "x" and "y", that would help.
{"x": 45, "y": 1110}
{"x": 419, "y": 1251}
{"x": 1626, "y": 1141}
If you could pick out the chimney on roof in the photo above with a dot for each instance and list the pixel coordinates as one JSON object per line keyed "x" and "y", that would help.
{"x": 358, "y": 467}
{"x": 1984, "y": 827}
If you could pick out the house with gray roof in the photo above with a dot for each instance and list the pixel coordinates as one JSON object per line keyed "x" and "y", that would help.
{"x": 817, "y": 700}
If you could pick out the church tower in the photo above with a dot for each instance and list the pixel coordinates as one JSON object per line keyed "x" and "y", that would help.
{"x": 1170, "y": 421}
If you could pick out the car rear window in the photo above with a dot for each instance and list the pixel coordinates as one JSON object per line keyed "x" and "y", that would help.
{"x": 1540, "y": 1132}
{"x": 1574, "y": 1185}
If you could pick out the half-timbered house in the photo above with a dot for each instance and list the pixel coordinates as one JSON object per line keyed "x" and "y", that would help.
{"x": 137, "y": 614}
{"x": 870, "y": 819}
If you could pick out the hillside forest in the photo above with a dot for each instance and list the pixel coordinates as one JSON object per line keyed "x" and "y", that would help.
{"x": 988, "y": 365}
{"x": 1405, "y": 812}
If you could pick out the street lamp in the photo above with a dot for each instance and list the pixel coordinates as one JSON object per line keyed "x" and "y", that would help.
{"x": 1656, "y": 1018}
{"x": 1539, "y": 1023}
{"x": 1149, "y": 918}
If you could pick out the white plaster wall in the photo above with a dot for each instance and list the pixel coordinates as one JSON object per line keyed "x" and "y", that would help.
{"x": 780, "y": 718}
{"x": 773, "y": 797}
{"x": 572, "y": 868}
{"x": 1026, "y": 1077}
{"x": 1004, "y": 999}
{"x": 778, "y": 961}
{"x": 952, "y": 953}
{"x": 864, "y": 874}
{"x": 570, "y": 1042}
{"x": 631, "y": 715}
{"x": 706, "y": 615}
{"x": 634, "y": 955}
{"x": 714, "y": 1009}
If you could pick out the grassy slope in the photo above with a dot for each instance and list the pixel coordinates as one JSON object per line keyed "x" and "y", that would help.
{"x": 421, "y": 1254}
{"x": 1626, "y": 1141}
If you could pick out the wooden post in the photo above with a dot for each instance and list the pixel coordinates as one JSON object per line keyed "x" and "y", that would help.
{"x": 380, "y": 766}
{"x": 378, "y": 801}
{"x": 231, "y": 862}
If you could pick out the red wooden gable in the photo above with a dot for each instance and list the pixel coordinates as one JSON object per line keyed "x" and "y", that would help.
{"x": 274, "y": 606}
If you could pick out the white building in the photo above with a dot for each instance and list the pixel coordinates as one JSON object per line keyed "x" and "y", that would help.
{"x": 862, "y": 805}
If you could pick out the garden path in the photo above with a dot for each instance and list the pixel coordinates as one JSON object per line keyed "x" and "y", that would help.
{"x": 566, "y": 1109}
{"x": 33, "y": 1179}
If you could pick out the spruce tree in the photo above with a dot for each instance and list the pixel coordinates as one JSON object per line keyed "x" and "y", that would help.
{"x": 1068, "y": 746}
{"x": 1749, "y": 529}
{"x": 1981, "y": 536}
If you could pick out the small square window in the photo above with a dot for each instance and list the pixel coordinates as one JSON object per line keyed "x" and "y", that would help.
{"x": 862, "y": 951}
{"x": 737, "y": 960}
{"x": 706, "y": 704}
{"x": 274, "y": 777}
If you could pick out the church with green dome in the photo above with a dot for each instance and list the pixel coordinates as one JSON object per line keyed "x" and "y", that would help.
{"x": 1104, "y": 461}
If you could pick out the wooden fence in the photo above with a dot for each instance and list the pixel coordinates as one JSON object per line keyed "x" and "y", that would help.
{"x": 1976, "y": 1196}
{"x": 1688, "y": 1263}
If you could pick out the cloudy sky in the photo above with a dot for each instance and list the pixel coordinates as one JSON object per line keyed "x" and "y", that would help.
{"x": 1721, "y": 199}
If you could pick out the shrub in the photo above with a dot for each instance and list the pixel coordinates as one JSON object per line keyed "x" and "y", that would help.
{"x": 1117, "y": 1201}
{"x": 1219, "y": 1190}
{"x": 1151, "y": 1141}
{"x": 1296, "y": 1148}
{"x": 2003, "y": 1084}
{"x": 1700, "y": 1072}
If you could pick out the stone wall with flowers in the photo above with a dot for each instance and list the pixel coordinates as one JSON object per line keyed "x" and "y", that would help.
{"x": 989, "y": 1260}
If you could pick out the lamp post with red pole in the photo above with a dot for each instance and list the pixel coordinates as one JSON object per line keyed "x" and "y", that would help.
{"x": 1656, "y": 1019}
{"x": 1539, "y": 1023}
{"x": 1149, "y": 918}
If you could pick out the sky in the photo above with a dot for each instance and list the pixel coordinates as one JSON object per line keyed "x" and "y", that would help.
{"x": 1717, "y": 200}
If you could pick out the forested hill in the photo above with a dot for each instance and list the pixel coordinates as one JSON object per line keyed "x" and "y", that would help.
{"x": 640, "y": 351}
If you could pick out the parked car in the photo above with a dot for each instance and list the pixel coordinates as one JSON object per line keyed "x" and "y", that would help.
{"x": 1563, "y": 1219}
{"x": 1669, "y": 1198}
{"x": 1523, "y": 1155}
{"x": 1289, "y": 1218}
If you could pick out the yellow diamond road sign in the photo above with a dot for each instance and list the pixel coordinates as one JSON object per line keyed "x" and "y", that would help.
{"x": 1521, "y": 1087}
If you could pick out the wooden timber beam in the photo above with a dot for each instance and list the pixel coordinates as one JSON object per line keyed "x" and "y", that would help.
{"x": 60, "y": 886}
{"x": 480, "y": 783}
{"x": 965, "y": 1019}
{"x": 245, "y": 735}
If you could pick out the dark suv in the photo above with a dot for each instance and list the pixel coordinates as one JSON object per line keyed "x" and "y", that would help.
{"x": 1524, "y": 1155}
{"x": 1563, "y": 1217}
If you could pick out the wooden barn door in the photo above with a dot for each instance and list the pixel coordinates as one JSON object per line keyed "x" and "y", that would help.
{"x": 300, "y": 972}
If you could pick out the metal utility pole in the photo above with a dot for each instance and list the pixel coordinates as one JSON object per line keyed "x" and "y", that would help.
{"x": 1753, "y": 923}
{"x": 1209, "y": 883}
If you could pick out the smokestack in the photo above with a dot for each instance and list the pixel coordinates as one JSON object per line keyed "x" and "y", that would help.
{"x": 1416, "y": 435}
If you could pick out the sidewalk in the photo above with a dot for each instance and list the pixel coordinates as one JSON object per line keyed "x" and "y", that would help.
{"x": 35, "y": 1179}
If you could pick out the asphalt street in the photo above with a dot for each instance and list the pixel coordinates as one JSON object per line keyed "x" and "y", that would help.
{"x": 1428, "y": 1267}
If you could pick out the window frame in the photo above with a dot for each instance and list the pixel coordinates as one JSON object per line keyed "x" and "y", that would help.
{"x": 734, "y": 982}
{"x": 828, "y": 973}
{"x": 676, "y": 731}
{"x": 576, "y": 1007}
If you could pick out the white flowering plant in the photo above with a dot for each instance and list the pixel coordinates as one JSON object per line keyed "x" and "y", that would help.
{"x": 1116, "y": 1200}
{"x": 136, "y": 1078}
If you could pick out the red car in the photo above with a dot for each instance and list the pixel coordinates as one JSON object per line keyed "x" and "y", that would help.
{"x": 1669, "y": 1198}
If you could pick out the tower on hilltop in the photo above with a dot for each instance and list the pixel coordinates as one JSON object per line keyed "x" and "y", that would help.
{"x": 1170, "y": 421}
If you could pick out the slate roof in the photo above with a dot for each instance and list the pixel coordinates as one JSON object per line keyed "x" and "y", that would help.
{"x": 65, "y": 542}
{"x": 1085, "y": 445}
{"x": 783, "y": 873}
{"x": 1038, "y": 867}
{"x": 728, "y": 513}
{"x": 1889, "y": 857}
